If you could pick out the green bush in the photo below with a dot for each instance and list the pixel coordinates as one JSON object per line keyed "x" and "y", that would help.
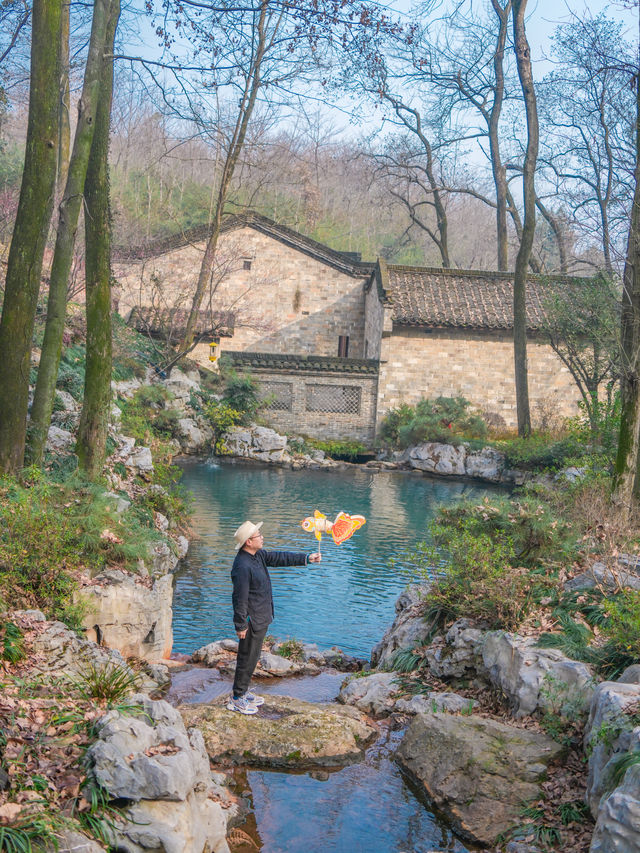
{"x": 539, "y": 452}
{"x": 50, "y": 532}
{"x": 146, "y": 415}
{"x": 621, "y": 629}
{"x": 336, "y": 449}
{"x": 71, "y": 371}
{"x": 537, "y": 535}
{"x": 477, "y": 580}
{"x": 444, "y": 419}
{"x": 222, "y": 418}
{"x": 241, "y": 394}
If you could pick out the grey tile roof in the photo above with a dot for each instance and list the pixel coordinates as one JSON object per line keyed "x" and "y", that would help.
{"x": 307, "y": 363}
{"x": 170, "y": 324}
{"x": 471, "y": 299}
{"x": 348, "y": 262}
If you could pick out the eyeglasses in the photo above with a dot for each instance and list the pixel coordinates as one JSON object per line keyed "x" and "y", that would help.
{"x": 256, "y": 536}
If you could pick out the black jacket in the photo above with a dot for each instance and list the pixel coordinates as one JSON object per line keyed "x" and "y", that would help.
{"x": 252, "y": 594}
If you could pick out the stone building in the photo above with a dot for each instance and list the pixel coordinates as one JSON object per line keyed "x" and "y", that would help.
{"x": 336, "y": 343}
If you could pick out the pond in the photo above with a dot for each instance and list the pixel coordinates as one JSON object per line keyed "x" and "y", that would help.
{"x": 346, "y": 600}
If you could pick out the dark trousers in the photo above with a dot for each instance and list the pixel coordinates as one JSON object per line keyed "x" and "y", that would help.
{"x": 248, "y": 654}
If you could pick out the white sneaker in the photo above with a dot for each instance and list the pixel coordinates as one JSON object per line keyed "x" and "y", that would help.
{"x": 242, "y": 705}
{"x": 255, "y": 700}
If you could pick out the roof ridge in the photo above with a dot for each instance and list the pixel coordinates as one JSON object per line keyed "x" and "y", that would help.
{"x": 496, "y": 274}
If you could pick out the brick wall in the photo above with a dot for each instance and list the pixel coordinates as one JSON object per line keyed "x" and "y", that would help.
{"x": 476, "y": 365}
{"x": 286, "y": 302}
{"x": 321, "y": 403}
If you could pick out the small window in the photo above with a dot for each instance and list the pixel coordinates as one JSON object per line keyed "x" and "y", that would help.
{"x": 246, "y": 265}
{"x": 343, "y": 346}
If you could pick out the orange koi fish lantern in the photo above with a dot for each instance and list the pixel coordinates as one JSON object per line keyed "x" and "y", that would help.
{"x": 341, "y": 529}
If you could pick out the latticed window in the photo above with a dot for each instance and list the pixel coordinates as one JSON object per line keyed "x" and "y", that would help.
{"x": 334, "y": 398}
{"x": 278, "y": 396}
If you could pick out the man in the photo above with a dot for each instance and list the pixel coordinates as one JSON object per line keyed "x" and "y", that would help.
{"x": 253, "y": 606}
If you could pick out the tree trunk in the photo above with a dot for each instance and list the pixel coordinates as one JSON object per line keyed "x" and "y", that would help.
{"x": 523, "y": 59}
{"x": 94, "y": 420}
{"x": 499, "y": 172}
{"x": 64, "y": 142}
{"x": 627, "y": 478}
{"x": 247, "y": 103}
{"x": 558, "y": 234}
{"x": 30, "y": 232}
{"x": 69, "y": 212}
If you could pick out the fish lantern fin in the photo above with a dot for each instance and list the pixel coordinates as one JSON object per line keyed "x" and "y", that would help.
{"x": 345, "y": 526}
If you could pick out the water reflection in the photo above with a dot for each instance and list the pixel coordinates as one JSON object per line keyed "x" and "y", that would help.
{"x": 346, "y": 600}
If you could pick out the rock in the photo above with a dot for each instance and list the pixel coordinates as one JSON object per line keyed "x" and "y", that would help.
{"x": 120, "y": 504}
{"x": 196, "y": 825}
{"x": 458, "y": 654}
{"x": 486, "y": 464}
{"x": 60, "y": 440}
{"x": 276, "y": 664}
{"x": 160, "y": 522}
{"x": 66, "y": 400}
{"x": 336, "y": 658}
{"x": 373, "y": 694}
{"x": 182, "y": 546}
{"x": 181, "y": 385}
{"x": 140, "y": 460}
{"x": 532, "y": 678}
{"x": 70, "y": 841}
{"x": 64, "y": 652}
{"x": 213, "y": 653}
{"x": 631, "y": 675}
{"x": 312, "y": 654}
{"x": 610, "y": 732}
{"x": 618, "y": 819}
{"x": 115, "y": 414}
{"x": 164, "y": 559}
{"x": 431, "y": 703}
{"x": 266, "y": 440}
{"x": 477, "y": 771}
{"x": 285, "y": 733}
{"x": 125, "y": 614}
{"x": 126, "y": 388}
{"x": 570, "y": 475}
{"x": 438, "y": 458}
{"x": 194, "y": 438}
{"x": 4, "y": 780}
{"x": 614, "y": 577}
{"x": 408, "y": 630}
{"x": 164, "y": 769}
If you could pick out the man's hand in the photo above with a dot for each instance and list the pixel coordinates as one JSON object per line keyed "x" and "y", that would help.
{"x": 242, "y": 634}
{"x": 315, "y": 558}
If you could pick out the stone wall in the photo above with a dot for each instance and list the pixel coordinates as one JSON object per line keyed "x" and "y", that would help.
{"x": 323, "y": 398}
{"x": 419, "y": 363}
{"x": 286, "y": 302}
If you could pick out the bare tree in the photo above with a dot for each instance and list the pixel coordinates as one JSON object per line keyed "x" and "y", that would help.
{"x": 587, "y": 109}
{"x": 525, "y": 73}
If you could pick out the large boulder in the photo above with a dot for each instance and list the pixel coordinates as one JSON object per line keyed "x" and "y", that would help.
{"x": 435, "y": 458}
{"x": 285, "y": 733}
{"x": 60, "y": 440}
{"x": 532, "y": 677}
{"x": 374, "y": 694}
{"x": 63, "y": 652}
{"x": 195, "y": 437}
{"x": 618, "y": 820}
{"x": 257, "y": 442}
{"x": 181, "y": 385}
{"x": 408, "y": 629}
{"x": 610, "y": 577}
{"x": 611, "y": 731}
{"x": 477, "y": 771}
{"x": 130, "y": 614}
{"x": 486, "y": 464}
{"x": 162, "y": 768}
{"x": 457, "y": 654}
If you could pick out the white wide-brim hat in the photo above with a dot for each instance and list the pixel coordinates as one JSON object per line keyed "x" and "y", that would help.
{"x": 246, "y": 530}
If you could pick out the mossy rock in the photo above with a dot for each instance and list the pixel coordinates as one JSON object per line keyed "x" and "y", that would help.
{"x": 285, "y": 732}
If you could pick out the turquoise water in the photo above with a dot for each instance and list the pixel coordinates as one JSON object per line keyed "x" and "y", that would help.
{"x": 346, "y": 600}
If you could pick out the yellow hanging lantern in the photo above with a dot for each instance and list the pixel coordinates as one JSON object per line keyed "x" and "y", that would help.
{"x": 213, "y": 351}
